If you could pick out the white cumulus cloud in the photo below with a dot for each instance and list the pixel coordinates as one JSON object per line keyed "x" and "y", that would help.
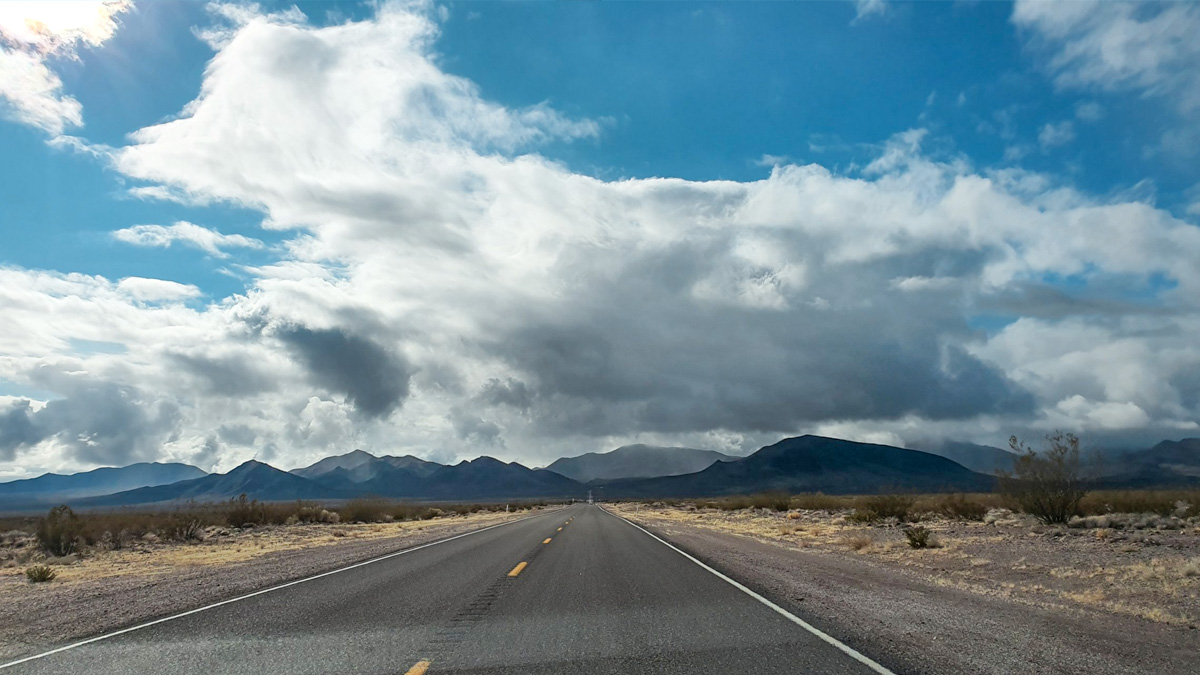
{"x": 32, "y": 35}
{"x": 188, "y": 234}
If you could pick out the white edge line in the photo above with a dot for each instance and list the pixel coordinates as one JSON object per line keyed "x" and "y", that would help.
{"x": 214, "y": 605}
{"x": 846, "y": 649}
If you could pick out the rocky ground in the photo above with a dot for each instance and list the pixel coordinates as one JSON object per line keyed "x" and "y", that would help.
{"x": 1116, "y": 594}
{"x": 101, "y": 590}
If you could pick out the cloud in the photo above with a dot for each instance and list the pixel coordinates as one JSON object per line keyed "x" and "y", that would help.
{"x": 1089, "y": 111}
{"x": 1054, "y": 135}
{"x": 188, "y": 234}
{"x": 511, "y": 392}
{"x": 1119, "y": 46}
{"x": 865, "y": 9}
{"x": 100, "y": 423}
{"x": 771, "y": 160}
{"x": 443, "y": 289}
{"x": 151, "y": 290}
{"x": 374, "y": 379}
{"x": 32, "y": 34}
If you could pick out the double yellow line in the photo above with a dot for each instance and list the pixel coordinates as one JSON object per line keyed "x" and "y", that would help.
{"x": 420, "y": 667}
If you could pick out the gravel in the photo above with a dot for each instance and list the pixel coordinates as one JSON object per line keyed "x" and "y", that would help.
{"x": 914, "y": 625}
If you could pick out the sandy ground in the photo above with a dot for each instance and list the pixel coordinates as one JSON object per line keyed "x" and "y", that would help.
{"x": 1005, "y": 597}
{"x": 106, "y": 590}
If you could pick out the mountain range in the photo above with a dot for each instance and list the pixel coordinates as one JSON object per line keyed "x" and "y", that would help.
{"x": 814, "y": 464}
{"x": 801, "y": 464}
{"x": 56, "y": 488}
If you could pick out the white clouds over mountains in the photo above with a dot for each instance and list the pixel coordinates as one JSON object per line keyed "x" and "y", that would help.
{"x": 441, "y": 292}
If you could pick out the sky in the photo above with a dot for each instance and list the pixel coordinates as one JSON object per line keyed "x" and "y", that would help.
{"x": 529, "y": 230}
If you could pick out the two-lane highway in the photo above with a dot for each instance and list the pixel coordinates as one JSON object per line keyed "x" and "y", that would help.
{"x": 575, "y": 590}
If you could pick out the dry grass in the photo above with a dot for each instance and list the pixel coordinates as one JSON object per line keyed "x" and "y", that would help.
{"x": 156, "y": 543}
{"x": 858, "y": 542}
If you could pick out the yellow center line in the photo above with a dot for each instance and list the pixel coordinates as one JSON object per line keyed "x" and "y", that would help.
{"x": 515, "y": 571}
{"x": 418, "y": 668}
{"x": 560, "y": 529}
{"x": 547, "y": 540}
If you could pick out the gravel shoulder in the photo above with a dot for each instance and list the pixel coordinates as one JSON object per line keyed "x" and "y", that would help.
{"x": 116, "y": 589}
{"x": 920, "y": 618}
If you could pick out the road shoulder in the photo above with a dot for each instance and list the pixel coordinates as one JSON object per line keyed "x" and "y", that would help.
{"x": 912, "y": 624}
{"x": 91, "y": 601}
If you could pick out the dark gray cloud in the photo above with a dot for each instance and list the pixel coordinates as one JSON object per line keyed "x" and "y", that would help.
{"x": 226, "y": 375}
{"x": 17, "y": 429}
{"x": 373, "y": 378}
{"x": 238, "y": 434}
{"x": 471, "y": 427}
{"x": 598, "y": 368}
{"x": 511, "y": 392}
{"x": 100, "y": 423}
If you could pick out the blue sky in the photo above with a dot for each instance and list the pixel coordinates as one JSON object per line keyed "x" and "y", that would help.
{"x": 925, "y": 105}
{"x": 696, "y": 91}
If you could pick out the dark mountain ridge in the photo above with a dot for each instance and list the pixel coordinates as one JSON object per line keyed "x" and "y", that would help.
{"x": 56, "y": 488}
{"x": 813, "y": 464}
{"x": 252, "y": 478}
{"x": 637, "y": 461}
{"x": 474, "y": 480}
{"x": 1167, "y": 464}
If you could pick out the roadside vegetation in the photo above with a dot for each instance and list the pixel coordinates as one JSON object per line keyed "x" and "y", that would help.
{"x": 1046, "y": 536}
{"x": 905, "y": 508}
{"x": 62, "y": 536}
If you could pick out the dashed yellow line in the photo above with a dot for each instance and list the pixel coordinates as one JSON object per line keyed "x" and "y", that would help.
{"x": 547, "y": 540}
{"x": 418, "y": 668}
{"x": 517, "y": 570}
{"x": 560, "y": 529}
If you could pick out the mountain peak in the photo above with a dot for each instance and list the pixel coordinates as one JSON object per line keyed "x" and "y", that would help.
{"x": 250, "y": 465}
{"x": 636, "y": 460}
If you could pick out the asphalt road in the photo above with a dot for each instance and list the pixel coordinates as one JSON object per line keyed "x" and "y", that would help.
{"x": 576, "y": 590}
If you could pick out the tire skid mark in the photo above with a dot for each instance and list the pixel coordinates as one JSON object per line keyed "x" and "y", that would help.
{"x": 443, "y": 649}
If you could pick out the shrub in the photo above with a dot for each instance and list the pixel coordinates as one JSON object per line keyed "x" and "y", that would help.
{"x": 960, "y": 507}
{"x": 920, "y": 537}
{"x": 411, "y": 512}
{"x": 365, "y": 510}
{"x": 858, "y": 542}
{"x": 775, "y": 501}
{"x": 1048, "y": 485}
{"x": 821, "y": 502}
{"x": 40, "y": 573}
{"x": 241, "y": 512}
{"x": 887, "y": 506}
{"x": 58, "y": 533}
{"x": 864, "y": 516}
{"x": 1179, "y": 503}
{"x": 184, "y": 528}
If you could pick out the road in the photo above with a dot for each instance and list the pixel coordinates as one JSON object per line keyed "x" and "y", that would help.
{"x": 575, "y": 590}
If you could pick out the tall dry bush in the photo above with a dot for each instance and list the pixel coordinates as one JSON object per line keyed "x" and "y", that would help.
{"x": 59, "y": 532}
{"x": 1050, "y": 484}
{"x": 871, "y": 507}
{"x": 242, "y": 511}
